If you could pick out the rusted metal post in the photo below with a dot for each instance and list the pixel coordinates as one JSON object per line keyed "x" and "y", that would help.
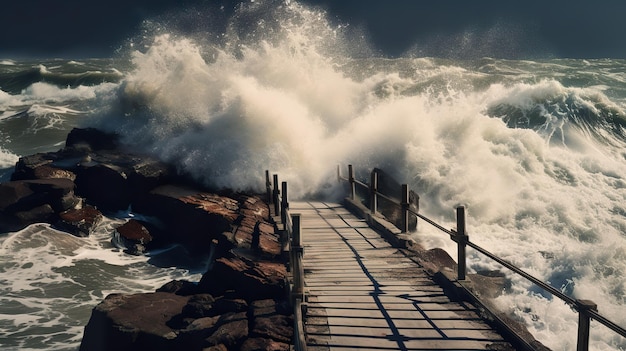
{"x": 584, "y": 306}
{"x": 404, "y": 204}
{"x": 275, "y": 196}
{"x": 373, "y": 192}
{"x": 284, "y": 205}
{"x": 268, "y": 186}
{"x": 352, "y": 183}
{"x": 461, "y": 239}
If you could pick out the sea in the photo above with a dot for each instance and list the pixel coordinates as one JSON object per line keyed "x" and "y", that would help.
{"x": 534, "y": 149}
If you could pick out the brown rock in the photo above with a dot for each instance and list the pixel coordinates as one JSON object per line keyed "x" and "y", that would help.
{"x": 132, "y": 236}
{"x": 179, "y": 287}
{"x": 200, "y": 305}
{"x": 276, "y": 327}
{"x": 91, "y": 139}
{"x": 196, "y": 217}
{"x": 262, "y": 344}
{"x": 133, "y": 322}
{"x": 230, "y": 334}
{"x": 105, "y": 186}
{"x": 268, "y": 307}
{"x": 251, "y": 280}
{"x": 80, "y": 222}
{"x": 24, "y": 202}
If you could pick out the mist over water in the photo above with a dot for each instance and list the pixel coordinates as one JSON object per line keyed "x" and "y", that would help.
{"x": 534, "y": 149}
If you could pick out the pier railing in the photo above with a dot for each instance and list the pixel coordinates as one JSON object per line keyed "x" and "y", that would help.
{"x": 587, "y": 309}
{"x": 291, "y": 240}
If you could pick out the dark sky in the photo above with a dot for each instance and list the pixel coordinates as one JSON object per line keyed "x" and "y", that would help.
{"x": 451, "y": 28}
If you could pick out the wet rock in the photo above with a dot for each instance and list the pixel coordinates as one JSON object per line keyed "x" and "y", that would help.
{"x": 91, "y": 139}
{"x": 132, "y": 236}
{"x": 195, "y": 217}
{"x": 25, "y": 202}
{"x": 80, "y": 222}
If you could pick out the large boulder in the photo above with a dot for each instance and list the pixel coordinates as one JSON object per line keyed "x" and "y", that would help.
{"x": 80, "y": 221}
{"x": 250, "y": 279}
{"x": 196, "y": 218}
{"x": 133, "y": 322}
{"x": 132, "y": 236}
{"x": 24, "y": 202}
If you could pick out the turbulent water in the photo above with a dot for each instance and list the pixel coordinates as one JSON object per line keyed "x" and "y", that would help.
{"x": 534, "y": 149}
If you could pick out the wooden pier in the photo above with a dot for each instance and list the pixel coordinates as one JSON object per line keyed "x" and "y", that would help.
{"x": 363, "y": 294}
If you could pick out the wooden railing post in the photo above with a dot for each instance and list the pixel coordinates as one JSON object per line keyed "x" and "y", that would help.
{"x": 584, "y": 306}
{"x": 297, "y": 252}
{"x": 284, "y": 205}
{"x": 268, "y": 186}
{"x": 373, "y": 191}
{"x": 404, "y": 204}
{"x": 275, "y": 196}
{"x": 352, "y": 182}
{"x": 462, "y": 238}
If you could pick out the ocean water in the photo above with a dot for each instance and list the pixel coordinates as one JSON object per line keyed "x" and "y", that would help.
{"x": 535, "y": 149}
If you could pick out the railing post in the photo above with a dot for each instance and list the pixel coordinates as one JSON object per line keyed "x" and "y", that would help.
{"x": 462, "y": 238}
{"x": 584, "y": 319}
{"x": 268, "y": 186}
{"x": 404, "y": 204}
{"x": 284, "y": 205}
{"x": 275, "y": 196}
{"x": 352, "y": 183}
{"x": 297, "y": 251}
{"x": 373, "y": 191}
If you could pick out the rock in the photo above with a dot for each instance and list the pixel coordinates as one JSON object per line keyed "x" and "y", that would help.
{"x": 179, "y": 287}
{"x": 268, "y": 307}
{"x": 80, "y": 222}
{"x": 26, "y": 165}
{"x": 230, "y": 335}
{"x": 40, "y": 166}
{"x": 196, "y": 217}
{"x": 91, "y": 139}
{"x": 133, "y": 322}
{"x": 276, "y": 327}
{"x": 199, "y": 306}
{"x": 251, "y": 280}
{"x": 105, "y": 186}
{"x": 39, "y": 214}
{"x": 24, "y": 202}
{"x": 132, "y": 236}
{"x": 262, "y": 344}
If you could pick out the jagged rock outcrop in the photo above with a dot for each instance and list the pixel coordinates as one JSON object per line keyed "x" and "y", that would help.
{"x": 239, "y": 304}
{"x": 23, "y": 202}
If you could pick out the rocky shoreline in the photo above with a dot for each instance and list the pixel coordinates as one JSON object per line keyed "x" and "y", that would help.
{"x": 241, "y": 303}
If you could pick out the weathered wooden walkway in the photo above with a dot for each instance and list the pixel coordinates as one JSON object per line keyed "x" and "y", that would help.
{"x": 364, "y": 294}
